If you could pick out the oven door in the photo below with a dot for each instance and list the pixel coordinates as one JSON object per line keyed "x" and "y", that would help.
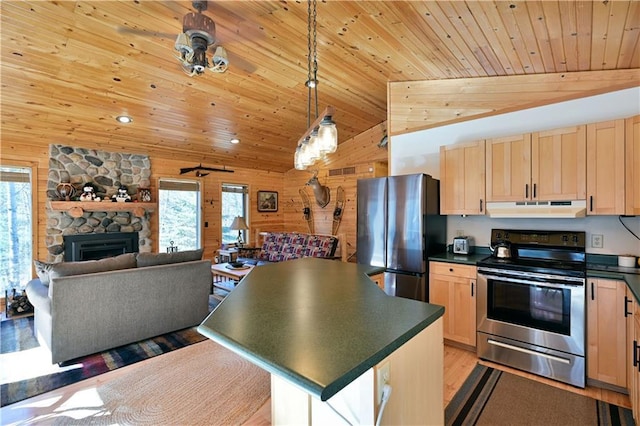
{"x": 542, "y": 310}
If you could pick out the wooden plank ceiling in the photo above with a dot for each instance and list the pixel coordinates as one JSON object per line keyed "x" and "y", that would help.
{"x": 70, "y": 67}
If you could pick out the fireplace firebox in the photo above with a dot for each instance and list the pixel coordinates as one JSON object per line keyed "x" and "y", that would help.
{"x": 99, "y": 246}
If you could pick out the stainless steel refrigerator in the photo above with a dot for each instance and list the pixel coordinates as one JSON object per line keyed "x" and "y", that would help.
{"x": 399, "y": 227}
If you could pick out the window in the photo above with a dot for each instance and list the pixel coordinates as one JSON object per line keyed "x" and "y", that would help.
{"x": 16, "y": 227}
{"x": 235, "y": 201}
{"x": 179, "y": 214}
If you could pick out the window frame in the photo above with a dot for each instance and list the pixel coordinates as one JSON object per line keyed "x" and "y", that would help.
{"x": 199, "y": 208}
{"x": 35, "y": 231}
{"x": 246, "y": 203}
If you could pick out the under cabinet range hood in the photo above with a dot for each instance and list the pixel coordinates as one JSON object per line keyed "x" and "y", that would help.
{"x": 537, "y": 209}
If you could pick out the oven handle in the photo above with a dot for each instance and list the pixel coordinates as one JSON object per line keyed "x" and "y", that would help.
{"x": 534, "y": 280}
{"x": 529, "y": 351}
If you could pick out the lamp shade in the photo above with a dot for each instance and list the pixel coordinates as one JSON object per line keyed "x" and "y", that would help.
{"x": 239, "y": 224}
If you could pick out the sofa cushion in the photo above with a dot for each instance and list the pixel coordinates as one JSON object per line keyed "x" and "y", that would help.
{"x": 321, "y": 246}
{"x": 153, "y": 259}
{"x": 43, "y": 269}
{"x": 65, "y": 269}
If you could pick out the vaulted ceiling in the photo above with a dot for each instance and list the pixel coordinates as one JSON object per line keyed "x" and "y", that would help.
{"x": 70, "y": 67}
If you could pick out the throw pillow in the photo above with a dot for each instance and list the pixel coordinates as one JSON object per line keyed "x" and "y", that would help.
{"x": 43, "y": 269}
{"x": 65, "y": 269}
{"x": 153, "y": 259}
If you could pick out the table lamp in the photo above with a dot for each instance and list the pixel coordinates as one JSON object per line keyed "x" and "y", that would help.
{"x": 239, "y": 225}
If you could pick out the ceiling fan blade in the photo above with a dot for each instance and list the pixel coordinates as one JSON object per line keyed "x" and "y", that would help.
{"x": 236, "y": 61}
{"x": 146, "y": 33}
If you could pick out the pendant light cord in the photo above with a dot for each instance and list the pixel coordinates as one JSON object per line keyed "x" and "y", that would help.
{"x": 312, "y": 58}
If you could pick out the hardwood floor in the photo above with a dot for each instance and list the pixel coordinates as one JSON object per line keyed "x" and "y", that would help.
{"x": 458, "y": 364}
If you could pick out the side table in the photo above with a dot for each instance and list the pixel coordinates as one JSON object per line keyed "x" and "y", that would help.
{"x": 225, "y": 278}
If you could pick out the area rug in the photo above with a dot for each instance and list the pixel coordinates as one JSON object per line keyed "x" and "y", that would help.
{"x": 17, "y": 342}
{"x": 493, "y": 397}
{"x": 202, "y": 384}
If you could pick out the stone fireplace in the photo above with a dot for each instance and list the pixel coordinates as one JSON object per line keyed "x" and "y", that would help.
{"x": 107, "y": 172}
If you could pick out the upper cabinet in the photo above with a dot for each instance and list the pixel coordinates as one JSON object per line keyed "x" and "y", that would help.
{"x": 541, "y": 166}
{"x": 606, "y": 168}
{"x": 632, "y": 136}
{"x": 598, "y": 162}
{"x": 509, "y": 168}
{"x": 462, "y": 178}
{"x": 558, "y": 161}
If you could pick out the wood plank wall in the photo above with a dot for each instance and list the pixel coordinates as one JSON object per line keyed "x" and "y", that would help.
{"x": 361, "y": 152}
{"x": 38, "y": 156}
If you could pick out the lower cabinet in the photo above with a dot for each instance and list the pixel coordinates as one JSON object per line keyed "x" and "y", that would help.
{"x": 606, "y": 332}
{"x": 453, "y": 286}
{"x": 633, "y": 353}
{"x": 378, "y": 279}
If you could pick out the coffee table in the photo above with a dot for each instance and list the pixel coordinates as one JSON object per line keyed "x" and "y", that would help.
{"x": 225, "y": 278}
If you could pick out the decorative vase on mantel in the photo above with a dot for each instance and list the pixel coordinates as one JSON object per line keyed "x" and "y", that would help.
{"x": 65, "y": 191}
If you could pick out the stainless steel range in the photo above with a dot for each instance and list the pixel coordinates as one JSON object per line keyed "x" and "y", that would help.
{"x": 531, "y": 303}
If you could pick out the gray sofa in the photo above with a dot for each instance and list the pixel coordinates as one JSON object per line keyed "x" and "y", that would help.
{"x": 92, "y": 306}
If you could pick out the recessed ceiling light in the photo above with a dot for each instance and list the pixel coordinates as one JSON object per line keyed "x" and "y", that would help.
{"x": 124, "y": 119}
{"x": 235, "y": 141}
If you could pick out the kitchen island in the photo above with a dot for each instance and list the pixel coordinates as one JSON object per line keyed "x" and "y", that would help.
{"x": 325, "y": 332}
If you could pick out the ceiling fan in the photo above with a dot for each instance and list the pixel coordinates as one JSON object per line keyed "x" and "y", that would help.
{"x": 198, "y": 37}
{"x": 198, "y": 34}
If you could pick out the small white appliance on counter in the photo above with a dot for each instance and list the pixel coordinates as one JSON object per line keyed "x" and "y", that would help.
{"x": 463, "y": 245}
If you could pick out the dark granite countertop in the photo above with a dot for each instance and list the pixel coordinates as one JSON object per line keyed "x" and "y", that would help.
{"x": 318, "y": 323}
{"x": 467, "y": 259}
{"x": 629, "y": 275}
{"x": 598, "y": 266}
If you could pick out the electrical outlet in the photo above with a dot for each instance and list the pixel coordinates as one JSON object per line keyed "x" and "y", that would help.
{"x": 382, "y": 371}
{"x": 460, "y": 233}
{"x": 597, "y": 240}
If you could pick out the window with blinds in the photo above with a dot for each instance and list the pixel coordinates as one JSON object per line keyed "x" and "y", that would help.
{"x": 179, "y": 217}
{"x": 235, "y": 201}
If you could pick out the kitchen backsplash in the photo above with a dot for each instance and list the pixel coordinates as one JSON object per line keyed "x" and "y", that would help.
{"x": 615, "y": 238}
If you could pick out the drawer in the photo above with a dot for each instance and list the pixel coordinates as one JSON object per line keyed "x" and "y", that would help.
{"x": 452, "y": 269}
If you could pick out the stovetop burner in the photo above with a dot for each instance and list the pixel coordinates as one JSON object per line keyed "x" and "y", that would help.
{"x": 548, "y": 252}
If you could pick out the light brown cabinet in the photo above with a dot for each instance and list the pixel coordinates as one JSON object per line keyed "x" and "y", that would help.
{"x": 633, "y": 353}
{"x": 453, "y": 286}
{"x": 378, "y": 279}
{"x": 558, "y": 163}
{"x": 606, "y": 168}
{"x": 540, "y": 166}
{"x": 632, "y": 166}
{"x": 462, "y": 178}
{"x": 606, "y": 332}
{"x": 508, "y": 168}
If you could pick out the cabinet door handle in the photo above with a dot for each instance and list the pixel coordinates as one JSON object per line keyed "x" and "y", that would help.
{"x": 481, "y": 206}
{"x": 450, "y": 269}
{"x": 593, "y": 296}
{"x": 526, "y": 190}
{"x": 626, "y": 303}
{"x": 535, "y": 187}
{"x": 591, "y": 203}
{"x": 635, "y": 353}
{"x": 473, "y": 283}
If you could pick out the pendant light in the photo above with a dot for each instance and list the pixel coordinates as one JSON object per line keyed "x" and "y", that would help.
{"x": 321, "y": 137}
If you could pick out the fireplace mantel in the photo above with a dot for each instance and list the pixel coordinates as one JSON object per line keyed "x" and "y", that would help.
{"x": 77, "y": 208}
